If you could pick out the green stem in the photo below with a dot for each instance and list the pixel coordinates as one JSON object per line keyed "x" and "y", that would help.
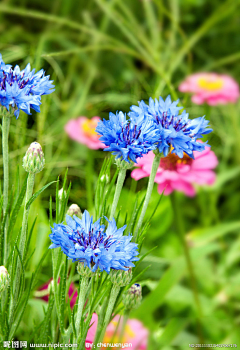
{"x": 120, "y": 181}
{"x": 89, "y": 172}
{"x": 155, "y": 166}
{"x": 113, "y": 296}
{"x": 122, "y": 329}
{"x": 81, "y": 301}
{"x": 29, "y": 192}
{"x": 5, "y": 133}
{"x": 181, "y": 232}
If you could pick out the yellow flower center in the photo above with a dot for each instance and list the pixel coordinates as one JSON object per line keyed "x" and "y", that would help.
{"x": 170, "y": 162}
{"x": 89, "y": 126}
{"x": 210, "y": 83}
{"x": 112, "y": 338}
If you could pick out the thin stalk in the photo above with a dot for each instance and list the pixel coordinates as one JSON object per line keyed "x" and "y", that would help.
{"x": 122, "y": 329}
{"x": 120, "y": 181}
{"x": 81, "y": 301}
{"x": 113, "y": 296}
{"x": 5, "y": 133}
{"x": 155, "y": 166}
{"x": 89, "y": 172}
{"x": 29, "y": 192}
{"x": 181, "y": 232}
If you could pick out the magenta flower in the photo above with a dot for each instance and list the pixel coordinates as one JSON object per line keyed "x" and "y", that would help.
{"x": 83, "y": 131}
{"x": 211, "y": 88}
{"x": 72, "y": 293}
{"x": 135, "y": 334}
{"x": 179, "y": 174}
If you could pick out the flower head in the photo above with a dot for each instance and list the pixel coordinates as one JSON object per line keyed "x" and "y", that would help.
{"x": 22, "y": 89}
{"x": 179, "y": 174}
{"x": 94, "y": 244}
{"x": 211, "y": 88}
{"x": 83, "y": 131}
{"x": 135, "y": 334}
{"x": 127, "y": 139}
{"x": 174, "y": 130}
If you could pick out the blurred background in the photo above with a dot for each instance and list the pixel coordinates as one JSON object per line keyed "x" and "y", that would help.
{"x": 105, "y": 55}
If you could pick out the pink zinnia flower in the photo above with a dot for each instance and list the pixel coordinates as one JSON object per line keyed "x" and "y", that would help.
{"x": 72, "y": 293}
{"x": 211, "y": 88}
{"x": 134, "y": 333}
{"x": 179, "y": 174}
{"x": 82, "y": 130}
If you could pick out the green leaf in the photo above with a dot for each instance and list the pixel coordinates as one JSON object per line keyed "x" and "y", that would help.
{"x": 32, "y": 199}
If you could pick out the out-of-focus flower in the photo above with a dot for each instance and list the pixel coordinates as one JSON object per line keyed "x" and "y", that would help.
{"x": 22, "y": 89}
{"x": 211, "y": 88}
{"x": 94, "y": 244}
{"x": 127, "y": 139}
{"x": 134, "y": 333}
{"x": 33, "y": 161}
{"x": 72, "y": 293}
{"x": 83, "y": 131}
{"x": 175, "y": 131}
{"x": 179, "y": 174}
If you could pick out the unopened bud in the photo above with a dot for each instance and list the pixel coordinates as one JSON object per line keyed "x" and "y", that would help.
{"x": 132, "y": 297}
{"x": 104, "y": 179}
{"x": 74, "y": 209}
{"x": 120, "y": 277}
{"x": 4, "y": 278}
{"x": 61, "y": 194}
{"x": 33, "y": 161}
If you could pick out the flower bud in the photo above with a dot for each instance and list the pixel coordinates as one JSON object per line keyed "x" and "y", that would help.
{"x": 105, "y": 179}
{"x": 4, "y": 278}
{"x": 84, "y": 271}
{"x": 120, "y": 277}
{"x": 74, "y": 209}
{"x": 61, "y": 194}
{"x": 132, "y": 297}
{"x": 33, "y": 161}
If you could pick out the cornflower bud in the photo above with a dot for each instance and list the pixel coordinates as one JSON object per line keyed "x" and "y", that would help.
{"x": 61, "y": 194}
{"x": 105, "y": 178}
{"x": 120, "y": 277}
{"x": 33, "y": 161}
{"x": 4, "y": 278}
{"x": 132, "y": 297}
{"x": 74, "y": 209}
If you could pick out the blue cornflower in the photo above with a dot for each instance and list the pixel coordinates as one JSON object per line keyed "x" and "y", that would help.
{"x": 94, "y": 244}
{"x": 22, "y": 89}
{"x": 175, "y": 131}
{"x": 127, "y": 139}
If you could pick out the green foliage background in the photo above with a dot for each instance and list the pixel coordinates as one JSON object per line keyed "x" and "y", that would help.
{"x": 105, "y": 56}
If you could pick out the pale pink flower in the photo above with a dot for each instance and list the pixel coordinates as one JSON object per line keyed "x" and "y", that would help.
{"x": 82, "y": 130}
{"x": 179, "y": 174}
{"x": 72, "y": 292}
{"x": 211, "y": 88}
{"x": 134, "y": 333}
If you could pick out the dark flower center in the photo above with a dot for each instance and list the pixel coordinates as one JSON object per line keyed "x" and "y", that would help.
{"x": 170, "y": 162}
{"x": 94, "y": 239}
{"x": 176, "y": 122}
{"x": 10, "y": 78}
{"x": 129, "y": 135}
